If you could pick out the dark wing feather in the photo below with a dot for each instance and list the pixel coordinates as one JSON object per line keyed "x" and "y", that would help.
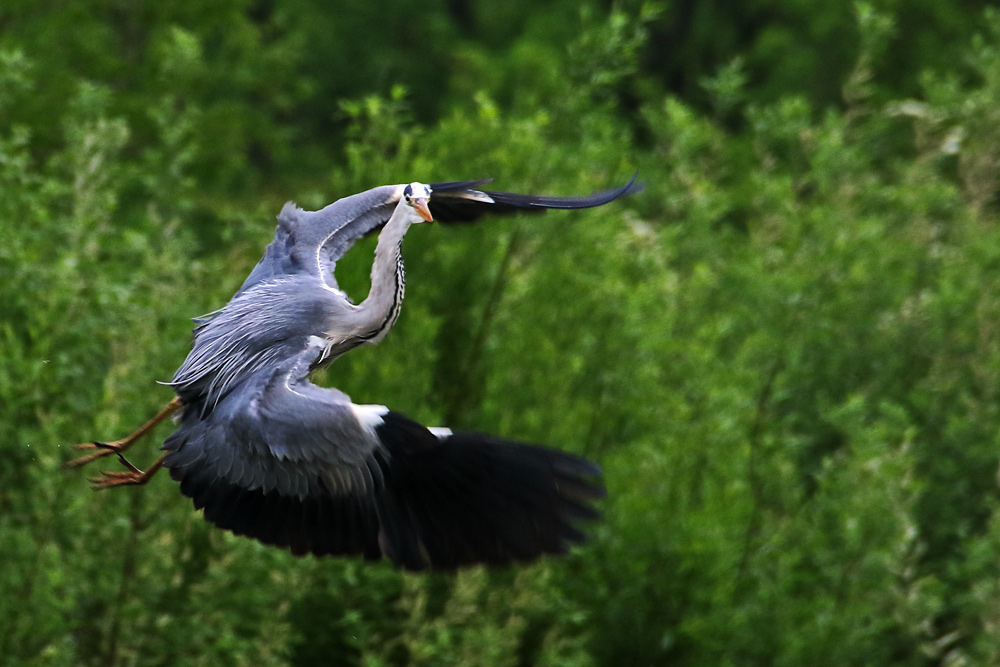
{"x": 458, "y": 186}
{"x": 288, "y": 463}
{"x": 283, "y": 461}
{"x": 461, "y": 201}
{"x": 469, "y": 498}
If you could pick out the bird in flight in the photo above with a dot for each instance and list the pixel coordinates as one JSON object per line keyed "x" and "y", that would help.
{"x": 267, "y": 454}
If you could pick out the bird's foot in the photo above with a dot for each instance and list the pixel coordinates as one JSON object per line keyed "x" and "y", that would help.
{"x": 110, "y": 480}
{"x": 118, "y": 447}
{"x": 132, "y": 477}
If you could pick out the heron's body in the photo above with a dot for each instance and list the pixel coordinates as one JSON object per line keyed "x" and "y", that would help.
{"x": 291, "y": 302}
{"x": 268, "y": 454}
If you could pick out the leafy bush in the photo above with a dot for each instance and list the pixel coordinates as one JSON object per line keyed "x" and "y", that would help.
{"x": 784, "y": 352}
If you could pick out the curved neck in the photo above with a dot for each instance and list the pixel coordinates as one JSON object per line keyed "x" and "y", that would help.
{"x": 380, "y": 310}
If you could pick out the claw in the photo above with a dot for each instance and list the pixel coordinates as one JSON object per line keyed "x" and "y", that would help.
{"x": 97, "y": 445}
{"x": 125, "y": 462}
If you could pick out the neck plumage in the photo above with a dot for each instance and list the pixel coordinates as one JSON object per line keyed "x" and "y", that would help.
{"x": 385, "y": 299}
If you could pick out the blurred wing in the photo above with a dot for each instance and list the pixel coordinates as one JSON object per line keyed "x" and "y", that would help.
{"x": 461, "y": 201}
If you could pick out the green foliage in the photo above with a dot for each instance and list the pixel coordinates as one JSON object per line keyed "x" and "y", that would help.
{"x": 784, "y": 352}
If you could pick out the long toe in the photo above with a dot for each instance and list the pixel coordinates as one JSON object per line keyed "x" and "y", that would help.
{"x": 103, "y": 449}
{"x": 84, "y": 460}
{"x": 112, "y": 479}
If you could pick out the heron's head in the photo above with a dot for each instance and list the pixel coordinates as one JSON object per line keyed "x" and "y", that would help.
{"x": 416, "y": 196}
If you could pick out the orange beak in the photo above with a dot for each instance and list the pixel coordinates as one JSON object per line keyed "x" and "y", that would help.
{"x": 420, "y": 204}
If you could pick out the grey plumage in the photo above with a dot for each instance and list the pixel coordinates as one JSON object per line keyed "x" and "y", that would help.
{"x": 270, "y": 455}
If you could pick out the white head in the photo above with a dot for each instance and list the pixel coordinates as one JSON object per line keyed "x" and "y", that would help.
{"x": 417, "y": 195}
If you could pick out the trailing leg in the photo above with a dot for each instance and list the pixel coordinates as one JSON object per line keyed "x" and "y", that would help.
{"x": 119, "y": 446}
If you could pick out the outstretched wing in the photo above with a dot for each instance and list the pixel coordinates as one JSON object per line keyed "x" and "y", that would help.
{"x": 462, "y": 201}
{"x": 313, "y": 241}
{"x": 298, "y": 466}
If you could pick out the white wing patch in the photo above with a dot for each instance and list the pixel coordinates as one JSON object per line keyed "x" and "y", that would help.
{"x": 369, "y": 416}
{"x": 476, "y": 195}
{"x": 441, "y": 432}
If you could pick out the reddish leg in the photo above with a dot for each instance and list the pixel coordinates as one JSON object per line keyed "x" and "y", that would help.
{"x": 119, "y": 446}
{"x": 134, "y": 476}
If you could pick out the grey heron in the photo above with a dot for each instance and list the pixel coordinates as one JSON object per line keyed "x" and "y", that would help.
{"x": 267, "y": 454}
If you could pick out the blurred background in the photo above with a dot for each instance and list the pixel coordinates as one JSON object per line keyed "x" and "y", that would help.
{"x": 785, "y": 353}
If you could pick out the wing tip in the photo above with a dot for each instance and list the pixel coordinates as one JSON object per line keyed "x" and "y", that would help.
{"x": 634, "y": 186}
